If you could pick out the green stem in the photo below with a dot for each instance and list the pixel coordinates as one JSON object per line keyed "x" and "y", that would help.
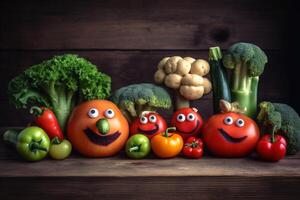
{"x": 11, "y": 136}
{"x": 180, "y": 101}
{"x": 170, "y": 129}
{"x": 134, "y": 148}
{"x": 236, "y": 77}
{"x": 243, "y": 77}
{"x": 273, "y": 134}
{"x": 215, "y": 53}
{"x": 127, "y": 116}
{"x": 33, "y": 146}
{"x": 37, "y": 111}
{"x": 56, "y": 140}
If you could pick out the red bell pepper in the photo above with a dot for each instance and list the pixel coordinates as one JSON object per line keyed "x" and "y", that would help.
{"x": 45, "y": 119}
{"x": 193, "y": 148}
{"x": 271, "y": 148}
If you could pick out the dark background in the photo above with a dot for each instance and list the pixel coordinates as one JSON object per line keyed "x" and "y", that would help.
{"x": 127, "y": 39}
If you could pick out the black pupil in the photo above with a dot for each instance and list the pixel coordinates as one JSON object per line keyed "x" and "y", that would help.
{"x": 191, "y": 116}
{"x": 152, "y": 118}
{"x": 144, "y": 118}
{"x": 93, "y": 111}
{"x": 228, "y": 120}
{"x": 109, "y": 112}
{"x": 180, "y": 117}
{"x": 240, "y": 122}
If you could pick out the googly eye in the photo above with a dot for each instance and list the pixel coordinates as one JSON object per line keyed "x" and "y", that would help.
{"x": 109, "y": 113}
{"x": 181, "y": 118}
{"x": 228, "y": 120}
{"x": 152, "y": 118}
{"x": 240, "y": 123}
{"x": 143, "y": 120}
{"x": 93, "y": 113}
{"x": 190, "y": 117}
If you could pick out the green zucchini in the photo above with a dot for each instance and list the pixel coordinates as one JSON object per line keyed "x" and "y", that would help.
{"x": 218, "y": 78}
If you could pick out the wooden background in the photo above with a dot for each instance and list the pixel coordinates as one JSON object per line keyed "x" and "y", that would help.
{"x": 126, "y": 39}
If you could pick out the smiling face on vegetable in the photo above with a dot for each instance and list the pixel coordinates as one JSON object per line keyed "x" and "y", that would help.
{"x": 187, "y": 122}
{"x": 149, "y": 124}
{"x": 230, "y": 135}
{"x": 97, "y": 128}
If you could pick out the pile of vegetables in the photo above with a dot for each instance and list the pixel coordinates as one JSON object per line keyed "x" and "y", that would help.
{"x": 51, "y": 90}
{"x": 66, "y": 94}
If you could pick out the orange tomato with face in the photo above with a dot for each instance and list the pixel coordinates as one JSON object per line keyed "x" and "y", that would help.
{"x": 97, "y": 128}
{"x": 187, "y": 122}
{"x": 149, "y": 124}
{"x": 230, "y": 135}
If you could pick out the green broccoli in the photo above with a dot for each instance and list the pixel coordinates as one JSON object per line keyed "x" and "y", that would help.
{"x": 136, "y": 98}
{"x": 281, "y": 119}
{"x": 248, "y": 62}
{"x": 59, "y": 83}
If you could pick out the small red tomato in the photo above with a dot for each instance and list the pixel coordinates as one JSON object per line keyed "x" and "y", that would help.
{"x": 193, "y": 148}
{"x": 230, "y": 135}
{"x": 271, "y": 151}
{"x": 149, "y": 124}
{"x": 187, "y": 122}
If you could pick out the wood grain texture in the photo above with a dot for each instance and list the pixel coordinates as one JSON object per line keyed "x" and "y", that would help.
{"x": 173, "y": 188}
{"x": 139, "y": 24}
{"x": 122, "y": 178}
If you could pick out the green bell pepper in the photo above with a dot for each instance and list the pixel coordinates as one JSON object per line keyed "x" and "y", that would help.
{"x": 138, "y": 146}
{"x": 32, "y": 143}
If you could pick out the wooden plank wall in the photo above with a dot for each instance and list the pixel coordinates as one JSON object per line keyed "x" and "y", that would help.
{"x": 126, "y": 39}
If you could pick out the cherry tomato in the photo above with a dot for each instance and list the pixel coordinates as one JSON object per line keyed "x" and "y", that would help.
{"x": 187, "y": 122}
{"x": 230, "y": 135}
{"x": 149, "y": 124}
{"x": 193, "y": 148}
{"x": 60, "y": 149}
{"x": 270, "y": 150}
{"x": 167, "y": 145}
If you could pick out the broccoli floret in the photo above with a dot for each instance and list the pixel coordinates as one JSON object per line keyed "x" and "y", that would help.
{"x": 59, "y": 84}
{"x": 290, "y": 127}
{"x": 281, "y": 119}
{"x": 136, "y": 98}
{"x": 248, "y": 62}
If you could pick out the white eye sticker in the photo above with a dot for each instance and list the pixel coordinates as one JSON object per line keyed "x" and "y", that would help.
{"x": 143, "y": 120}
{"x": 190, "y": 117}
{"x": 228, "y": 120}
{"x": 240, "y": 123}
{"x": 152, "y": 118}
{"x": 93, "y": 113}
{"x": 181, "y": 118}
{"x": 109, "y": 113}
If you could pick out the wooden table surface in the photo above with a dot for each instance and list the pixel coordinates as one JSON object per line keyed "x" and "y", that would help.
{"x": 119, "y": 177}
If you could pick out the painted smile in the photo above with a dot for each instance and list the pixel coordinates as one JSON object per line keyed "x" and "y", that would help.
{"x": 192, "y": 131}
{"x": 230, "y": 138}
{"x": 101, "y": 140}
{"x": 149, "y": 132}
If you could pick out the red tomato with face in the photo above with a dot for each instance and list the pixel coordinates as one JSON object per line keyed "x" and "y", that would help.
{"x": 187, "y": 122}
{"x": 148, "y": 124}
{"x": 230, "y": 135}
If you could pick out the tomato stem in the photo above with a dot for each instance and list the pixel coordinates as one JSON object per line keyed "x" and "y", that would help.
{"x": 170, "y": 129}
{"x": 56, "y": 140}
{"x": 134, "y": 148}
{"x": 194, "y": 144}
